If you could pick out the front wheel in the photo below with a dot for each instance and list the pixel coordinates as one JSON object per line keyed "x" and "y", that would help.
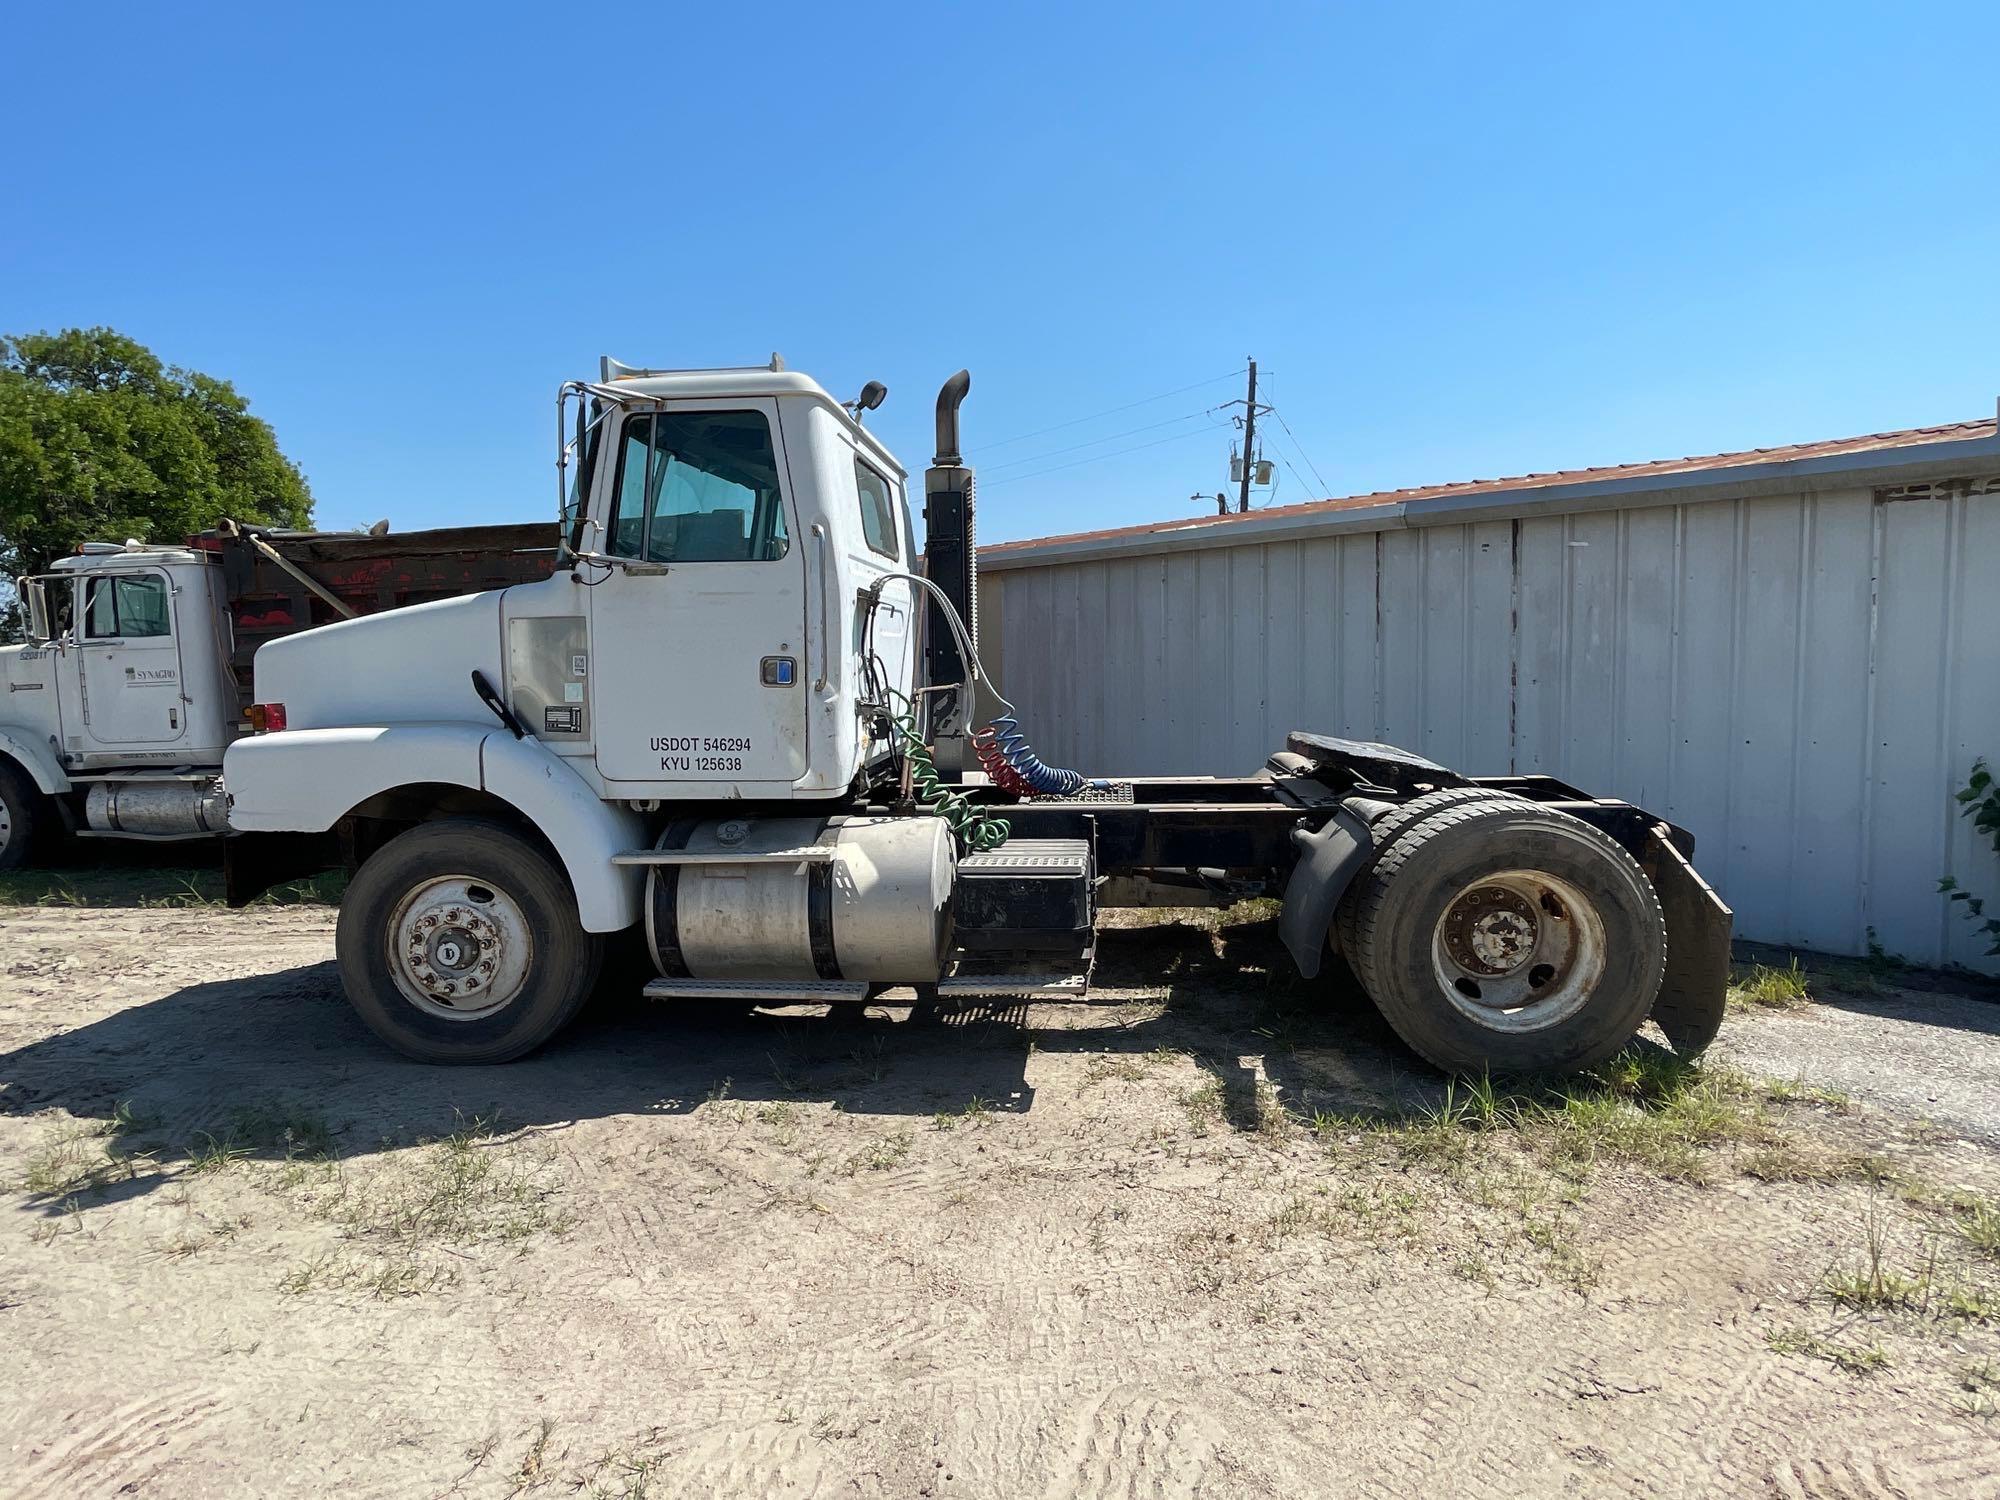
{"x": 1507, "y": 937}
{"x": 459, "y": 942}
{"x": 20, "y": 806}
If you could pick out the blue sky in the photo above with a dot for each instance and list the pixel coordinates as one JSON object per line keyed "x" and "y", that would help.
{"x": 1461, "y": 241}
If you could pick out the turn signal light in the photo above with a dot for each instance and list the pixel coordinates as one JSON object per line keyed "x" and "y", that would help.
{"x": 265, "y": 718}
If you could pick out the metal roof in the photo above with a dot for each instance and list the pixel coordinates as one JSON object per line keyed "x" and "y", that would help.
{"x": 1907, "y": 455}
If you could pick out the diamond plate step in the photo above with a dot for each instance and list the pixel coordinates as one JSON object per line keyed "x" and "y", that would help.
{"x": 758, "y": 991}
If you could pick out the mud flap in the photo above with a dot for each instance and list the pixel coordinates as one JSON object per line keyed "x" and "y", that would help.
{"x": 1329, "y": 859}
{"x": 1695, "y": 990}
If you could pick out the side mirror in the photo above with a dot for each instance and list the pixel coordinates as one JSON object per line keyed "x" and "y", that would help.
{"x": 31, "y": 595}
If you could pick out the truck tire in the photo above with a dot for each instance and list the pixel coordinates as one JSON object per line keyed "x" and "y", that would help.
{"x": 459, "y": 942}
{"x": 1502, "y": 936}
{"x": 1388, "y": 831}
{"x": 20, "y": 817}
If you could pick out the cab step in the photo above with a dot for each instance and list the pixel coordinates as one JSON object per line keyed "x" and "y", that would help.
{"x": 759, "y": 991}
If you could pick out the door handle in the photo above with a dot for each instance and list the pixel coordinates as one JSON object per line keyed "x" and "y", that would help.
{"x": 825, "y": 602}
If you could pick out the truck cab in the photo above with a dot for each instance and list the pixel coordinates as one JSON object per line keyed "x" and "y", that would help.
{"x": 127, "y": 637}
{"x": 723, "y": 529}
{"x": 124, "y": 679}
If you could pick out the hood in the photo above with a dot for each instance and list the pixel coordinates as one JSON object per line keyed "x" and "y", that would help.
{"x": 403, "y": 666}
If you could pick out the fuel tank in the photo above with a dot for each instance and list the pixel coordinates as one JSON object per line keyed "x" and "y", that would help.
{"x": 856, "y": 898}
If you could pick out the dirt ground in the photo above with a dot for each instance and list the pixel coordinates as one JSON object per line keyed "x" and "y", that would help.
{"x": 1218, "y": 1236}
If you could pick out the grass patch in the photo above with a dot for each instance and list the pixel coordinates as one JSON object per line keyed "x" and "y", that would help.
{"x": 1855, "y": 1359}
{"x": 382, "y": 1277}
{"x": 154, "y": 889}
{"x": 474, "y": 1186}
{"x": 1204, "y": 1106}
{"x": 1979, "y": 1225}
{"x": 289, "y": 1132}
{"x": 880, "y": 1155}
{"x": 976, "y": 1112}
{"x": 1798, "y": 1091}
{"x": 1763, "y": 987}
{"x": 82, "y": 1155}
{"x": 469, "y": 1186}
{"x": 1645, "y": 1107}
{"x": 1931, "y": 1284}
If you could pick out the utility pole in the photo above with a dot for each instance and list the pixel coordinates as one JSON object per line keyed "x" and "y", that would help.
{"x": 1249, "y": 439}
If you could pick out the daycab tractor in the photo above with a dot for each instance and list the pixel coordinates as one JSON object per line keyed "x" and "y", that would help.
{"x": 136, "y": 670}
{"x": 746, "y": 724}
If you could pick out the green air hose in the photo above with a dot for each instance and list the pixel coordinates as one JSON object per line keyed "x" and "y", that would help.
{"x": 975, "y": 830}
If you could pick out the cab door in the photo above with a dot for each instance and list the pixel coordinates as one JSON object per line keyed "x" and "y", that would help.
{"x": 698, "y": 638}
{"x": 129, "y": 660}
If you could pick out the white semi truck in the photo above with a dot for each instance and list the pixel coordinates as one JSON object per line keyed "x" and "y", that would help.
{"x": 745, "y": 719}
{"x": 136, "y": 671}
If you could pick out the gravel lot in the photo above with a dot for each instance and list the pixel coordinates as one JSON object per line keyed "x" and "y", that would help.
{"x": 1217, "y": 1236}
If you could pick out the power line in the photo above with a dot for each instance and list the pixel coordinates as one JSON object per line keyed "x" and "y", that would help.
{"x": 1108, "y": 412}
{"x": 1324, "y": 486}
{"x": 1300, "y": 448}
{"x": 1293, "y": 470}
{"x": 1100, "y": 457}
{"x": 1013, "y": 463}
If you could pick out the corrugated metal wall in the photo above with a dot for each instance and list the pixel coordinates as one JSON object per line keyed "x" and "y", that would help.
{"x": 1800, "y": 680}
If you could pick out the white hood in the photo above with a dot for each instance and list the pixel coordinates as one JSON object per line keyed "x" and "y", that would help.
{"x": 403, "y": 666}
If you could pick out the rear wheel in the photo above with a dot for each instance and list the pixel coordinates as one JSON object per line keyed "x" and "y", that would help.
{"x": 20, "y": 809}
{"x": 1388, "y": 830}
{"x": 459, "y": 942}
{"x": 1507, "y": 937}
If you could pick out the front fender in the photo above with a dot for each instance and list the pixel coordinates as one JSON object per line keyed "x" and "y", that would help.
{"x": 307, "y": 780}
{"x": 585, "y": 829}
{"x": 36, "y": 759}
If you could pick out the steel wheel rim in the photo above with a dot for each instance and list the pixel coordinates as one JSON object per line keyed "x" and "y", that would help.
{"x": 459, "y": 948}
{"x": 6, "y": 826}
{"x": 1518, "y": 951}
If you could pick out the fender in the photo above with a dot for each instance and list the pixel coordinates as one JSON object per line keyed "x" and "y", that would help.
{"x": 307, "y": 780}
{"x": 1329, "y": 859}
{"x": 585, "y": 829}
{"x": 36, "y": 759}
{"x": 1694, "y": 994}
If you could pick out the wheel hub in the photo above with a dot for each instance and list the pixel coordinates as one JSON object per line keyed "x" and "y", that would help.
{"x": 460, "y": 948}
{"x": 1491, "y": 930}
{"x": 1518, "y": 950}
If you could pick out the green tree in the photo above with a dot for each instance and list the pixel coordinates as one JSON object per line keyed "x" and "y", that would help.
{"x": 99, "y": 441}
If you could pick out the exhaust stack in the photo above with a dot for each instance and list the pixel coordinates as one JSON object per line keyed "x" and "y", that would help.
{"x": 950, "y": 396}
{"x": 950, "y": 562}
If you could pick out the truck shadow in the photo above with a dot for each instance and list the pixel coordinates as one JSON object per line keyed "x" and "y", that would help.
{"x": 253, "y": 1066}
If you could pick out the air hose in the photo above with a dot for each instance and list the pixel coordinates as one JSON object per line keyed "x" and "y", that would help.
{"x": 976, "y": 831}
{"x": 999, "y": 770}
{"x": 1007, "y": 757}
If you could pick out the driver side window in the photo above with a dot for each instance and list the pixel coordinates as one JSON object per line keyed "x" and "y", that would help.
{"x": 125, "y": 608}
{"x": 698, "y": 486}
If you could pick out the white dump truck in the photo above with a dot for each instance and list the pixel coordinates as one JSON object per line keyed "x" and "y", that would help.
{"x": 136, "y": 671}
{"x": 745, "y": 721}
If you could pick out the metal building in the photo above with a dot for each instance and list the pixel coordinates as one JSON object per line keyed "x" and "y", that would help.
{"x": 1794, "y": 652}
